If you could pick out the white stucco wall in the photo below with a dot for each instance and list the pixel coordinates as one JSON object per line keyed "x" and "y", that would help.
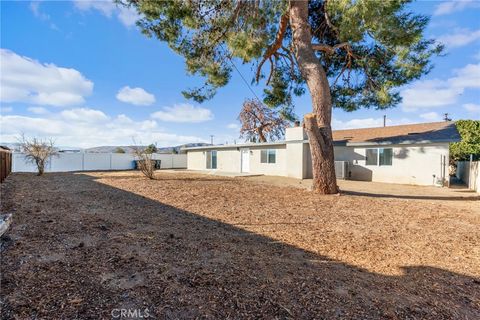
{"x": 196, "y": 160}
{"x": 279, "y": 168}
{"x": 228, "y": 160}
{"x": 411, "y": 164}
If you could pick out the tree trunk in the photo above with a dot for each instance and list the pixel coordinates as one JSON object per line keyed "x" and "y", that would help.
{"x": 261, "y": 136}
{"x": 40, "y": 167}
{"x": 317, "y": 124}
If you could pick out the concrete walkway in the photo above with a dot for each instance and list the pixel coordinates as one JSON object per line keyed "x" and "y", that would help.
{"x": 457, "y": 195}
{"x": 216, "y": 173}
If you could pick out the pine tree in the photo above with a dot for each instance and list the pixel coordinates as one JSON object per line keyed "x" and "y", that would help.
{"x": 349, "y": 54}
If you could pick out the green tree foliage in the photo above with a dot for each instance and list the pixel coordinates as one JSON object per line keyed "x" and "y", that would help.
{"x": 368, "y": 48}
{"x": 470, "y": 132}
{"x": 151, "y": 148}
{"x": 119, "y": 150}
{"x": 349, "y": 54}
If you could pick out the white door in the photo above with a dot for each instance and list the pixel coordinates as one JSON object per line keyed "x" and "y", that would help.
{"x": 245, "y": 160}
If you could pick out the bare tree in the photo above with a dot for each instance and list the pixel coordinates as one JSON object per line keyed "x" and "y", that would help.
{"x": 38, "y": 151}
{"x": 260, "y": 123}
{"x": 144, "y": 161}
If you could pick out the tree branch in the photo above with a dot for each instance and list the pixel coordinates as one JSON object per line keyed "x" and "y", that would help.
{"x": 329, "y": 49}
{"x": 275, "y": 45}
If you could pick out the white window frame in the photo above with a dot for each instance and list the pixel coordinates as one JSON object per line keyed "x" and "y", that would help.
{"x": 209, "y": 152}
{"x": 378, "y": 158}
{"x": 268, "y": 156}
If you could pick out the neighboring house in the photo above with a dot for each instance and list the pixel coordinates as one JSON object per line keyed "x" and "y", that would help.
{"x": 409, "y": 154}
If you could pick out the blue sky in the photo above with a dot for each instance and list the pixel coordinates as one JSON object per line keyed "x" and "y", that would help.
{"x": 82, "y": 73}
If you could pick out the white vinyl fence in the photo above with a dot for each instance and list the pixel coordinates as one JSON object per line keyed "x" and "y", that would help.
{"x": 95, "y": 161}
{"x": 469, "y": 173}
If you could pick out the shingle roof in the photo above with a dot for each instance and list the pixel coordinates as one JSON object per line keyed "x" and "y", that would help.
{"x": 405, "y": 134}
{"x": 414, "y": 133}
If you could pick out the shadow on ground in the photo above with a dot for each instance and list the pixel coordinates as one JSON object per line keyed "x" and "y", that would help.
{"x": 413, "y": 197}
{"x": 83, "y": 254}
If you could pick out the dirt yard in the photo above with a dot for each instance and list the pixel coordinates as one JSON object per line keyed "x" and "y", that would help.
{"x": 83, "y": 246}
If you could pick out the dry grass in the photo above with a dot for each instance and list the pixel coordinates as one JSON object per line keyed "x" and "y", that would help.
{"x": 188, "y": 246}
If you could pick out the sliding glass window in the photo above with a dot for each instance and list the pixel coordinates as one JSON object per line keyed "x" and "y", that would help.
{"x": 385, "y": 156}
{"x": 212, "y": 159}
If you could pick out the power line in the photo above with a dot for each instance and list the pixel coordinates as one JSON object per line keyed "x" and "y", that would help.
{"x": 243, "y": 78}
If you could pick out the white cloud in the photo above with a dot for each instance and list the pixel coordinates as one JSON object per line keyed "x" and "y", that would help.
{"x": 85, "y": 127}
{"x": 35, "y": 8}
{"x": 183, "y": 113}
{"x": 37, "y": 110}
{"x": 431, "y": 116}
{"x": 367, "y": 123}
{"x": 84, "y": 115}
{"x": 472, "y": 107}
{"x": 429, "y": 94}
{"x": 26, "y": 80}
{"x": 452, "y": 6}
{"x": 439, "y": 93}
{"x": 233, "y": 126}
{"x": 459, "y": 38}
{"x": 136, "y": 96}
{"x": 5, "y": 109}
{"x": 106, "y": 7}
{"x": 126, "y": 15}
{"x": 466, "y": 77}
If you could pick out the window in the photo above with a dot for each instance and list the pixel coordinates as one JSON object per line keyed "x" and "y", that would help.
{"x": 385, "y": 156}
{"x": 372, "y": 155}
{"x": 268, "y": 156}
{"x": 212, "y": 159}
{"x": 380, "y": 156}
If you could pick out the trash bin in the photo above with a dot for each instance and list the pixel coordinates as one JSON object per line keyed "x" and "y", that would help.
{"x": 137, "y": 163}
{"x": 155, "y": 163}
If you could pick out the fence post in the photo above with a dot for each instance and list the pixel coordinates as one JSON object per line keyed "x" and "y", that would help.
{"x": 470, "y": 172}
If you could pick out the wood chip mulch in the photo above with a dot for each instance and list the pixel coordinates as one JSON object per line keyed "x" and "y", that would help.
{"x": 190, "y": 246}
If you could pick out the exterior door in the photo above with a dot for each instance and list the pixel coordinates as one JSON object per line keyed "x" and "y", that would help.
{"x": 245, "y": 160}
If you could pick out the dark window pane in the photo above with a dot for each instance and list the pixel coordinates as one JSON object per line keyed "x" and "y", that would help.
{"x": 214, "y": 159}
{"x": 209, "y": 159}
{"x": 271, "y": 156}
{"x": 386, "y": 156}
{"x": 371, "y": 157}
{"x": 263, "y": 156}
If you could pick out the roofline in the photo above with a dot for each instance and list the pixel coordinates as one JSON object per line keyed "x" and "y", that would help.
{"x": 233, "y": 146}
{"x": 336, "y": 143}
{"x": 387, "y": 142}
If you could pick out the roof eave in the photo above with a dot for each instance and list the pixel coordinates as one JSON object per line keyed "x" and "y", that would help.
{"x": 388, "y": 142}
{"x": 233, "y": 146}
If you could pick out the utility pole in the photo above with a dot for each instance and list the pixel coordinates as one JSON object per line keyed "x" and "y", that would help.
{"x": 211, "y": 139}
{"x": 385, "y": 120}
{"x": 446, "y": 118}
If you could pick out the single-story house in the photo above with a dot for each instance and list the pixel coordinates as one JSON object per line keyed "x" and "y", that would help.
{"x": 409, "y": 154}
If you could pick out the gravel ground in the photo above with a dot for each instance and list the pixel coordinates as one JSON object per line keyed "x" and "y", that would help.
{"x": 195, "y": 246}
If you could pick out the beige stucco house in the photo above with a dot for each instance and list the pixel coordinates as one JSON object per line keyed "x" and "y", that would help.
{"x": 409, "y": 154}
